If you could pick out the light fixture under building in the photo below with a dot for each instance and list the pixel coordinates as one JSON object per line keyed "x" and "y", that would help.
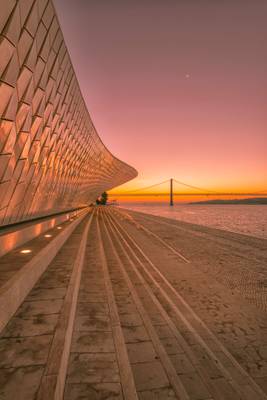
{"x": 26, "y": 251}
{"x": 47, "y": 236}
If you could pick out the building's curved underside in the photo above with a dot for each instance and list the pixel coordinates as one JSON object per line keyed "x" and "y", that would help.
{"x": 51, "y": 157}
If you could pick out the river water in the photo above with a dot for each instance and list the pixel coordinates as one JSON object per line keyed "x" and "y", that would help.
{"x": 247, "y": 219}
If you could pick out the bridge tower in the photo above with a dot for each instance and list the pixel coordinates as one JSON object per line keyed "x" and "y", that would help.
{"x": 171, "y": 192}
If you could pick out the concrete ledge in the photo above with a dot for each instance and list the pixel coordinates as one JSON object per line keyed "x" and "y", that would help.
{"x": 53, "y": 381}
{"x": 14, "y": 291}
{"x": 13, "y": 239}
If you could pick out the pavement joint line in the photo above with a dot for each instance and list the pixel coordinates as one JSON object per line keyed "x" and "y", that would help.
{"x": 240, "y": 286}
{"x": 149, "y": 232}
{"x": 127, "y": 380}
{"x": 168, "y": 320}
{"x": 223, "y": 350}
{"x": 210, "y": 384}
{"x": 53, "y": 380}
{"x": 250, "y": 380}
{"x": 15, "y": 290}
{"x": 176, "y": 383}
{"x": 204, "y": 235}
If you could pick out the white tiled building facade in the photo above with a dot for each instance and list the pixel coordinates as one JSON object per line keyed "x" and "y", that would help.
{"x": 51, "y": 157}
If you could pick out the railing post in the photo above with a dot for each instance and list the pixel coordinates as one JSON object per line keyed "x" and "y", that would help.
{"x": 171, "y": 192}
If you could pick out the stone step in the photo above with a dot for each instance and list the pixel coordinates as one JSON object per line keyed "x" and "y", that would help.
{"x": 15, "y": 235}
{"x": 21, "y": 268}
{"x": 98, "y": 367}
{"x": 34, "y": 346}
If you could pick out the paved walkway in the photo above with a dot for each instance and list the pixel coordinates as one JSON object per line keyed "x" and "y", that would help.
{"x": 149, "y": 322}
{"x": 26, "y": 341}
{"x": 13, "y": 261}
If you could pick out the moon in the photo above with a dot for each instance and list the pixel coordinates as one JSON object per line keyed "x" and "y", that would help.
{"x": 187, "y": 76}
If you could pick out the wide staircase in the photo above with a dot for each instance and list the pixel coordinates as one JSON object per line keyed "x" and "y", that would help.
{"x": 86, "y": 314}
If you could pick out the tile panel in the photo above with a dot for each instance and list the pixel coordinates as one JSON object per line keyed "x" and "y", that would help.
{"x": 51, "y": 157}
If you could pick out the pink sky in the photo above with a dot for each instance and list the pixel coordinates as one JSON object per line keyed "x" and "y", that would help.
{"x": 176, "y": 88}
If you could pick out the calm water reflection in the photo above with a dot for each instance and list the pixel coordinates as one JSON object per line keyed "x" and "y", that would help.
{"x": 247, "y": 219}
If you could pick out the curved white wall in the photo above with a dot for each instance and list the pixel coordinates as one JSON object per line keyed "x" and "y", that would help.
{"x": 51, "y": 157}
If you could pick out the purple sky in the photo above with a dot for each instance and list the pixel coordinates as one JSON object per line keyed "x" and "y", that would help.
{"x": 176, "y": 88}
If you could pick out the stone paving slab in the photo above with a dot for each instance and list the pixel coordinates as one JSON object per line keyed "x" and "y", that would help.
{"x": 93, "y": 368}
{"x": 163, "y": 331}
{"x": 171, "y": 345}
{"x": 181, "y": 363}
{"x": 195, "y": 386}
{"x": 141, "y": 352}
{"x": 149, "y": 375}
{"x": 88, "y": 285}
{"x": 215, "y": 373}
{"x": 40, "y": 307}
{"x": 100, "y": 391}
{"x": 130, "y": 320}
{"x": 126, "y": 308}
{"x": 25, "y": 342}
{"x": 218, "y": 284}
{"x": 92, "y": 342}
{"x": 96, "y": 323}
{"x": 92, "y": 309}
{"x": 47, "y": 293}
{"x": 93, "y": 371}
{"x": 135, "y": 334}
{"x": 17, "y": 352}
{"x": 156, "y": 319}
{"x": 20, "y": 383}
{"x": 31, "y": 326}
{"x": 157, "y": 394}
{"x": 262, "y": 382}
{"x": 89, "y": 296}
{"x": 225, "y": 391}
{"x": 54, "y": 281}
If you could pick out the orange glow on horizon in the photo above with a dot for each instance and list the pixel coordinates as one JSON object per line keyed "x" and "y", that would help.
{"x": 126, "y": 193}
{"x": 199, "y": 115}
{"x": 239, "y": 190}
{"x": 177, "y": 199}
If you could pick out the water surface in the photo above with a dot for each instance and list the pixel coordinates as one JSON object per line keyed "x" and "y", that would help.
{"x": 246, "y": 219}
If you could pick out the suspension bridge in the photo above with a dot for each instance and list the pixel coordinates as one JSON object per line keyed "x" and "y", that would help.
{"x": 171, "y": 192}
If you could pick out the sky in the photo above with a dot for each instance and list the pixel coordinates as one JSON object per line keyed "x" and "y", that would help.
{"x": 175, "y": 88}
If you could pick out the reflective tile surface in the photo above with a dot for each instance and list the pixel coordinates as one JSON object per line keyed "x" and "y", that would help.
{"x": 51, "y": 157}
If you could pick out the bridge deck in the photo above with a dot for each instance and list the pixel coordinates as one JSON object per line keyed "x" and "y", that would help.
{"x": 141, "y": 307}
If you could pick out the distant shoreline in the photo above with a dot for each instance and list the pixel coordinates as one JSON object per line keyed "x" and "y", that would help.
{"x": 253, "y": 201}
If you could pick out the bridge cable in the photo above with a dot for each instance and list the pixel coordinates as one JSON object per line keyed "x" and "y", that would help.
{"x": 195, "y": 187}
{"x": 147, "y": 187}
